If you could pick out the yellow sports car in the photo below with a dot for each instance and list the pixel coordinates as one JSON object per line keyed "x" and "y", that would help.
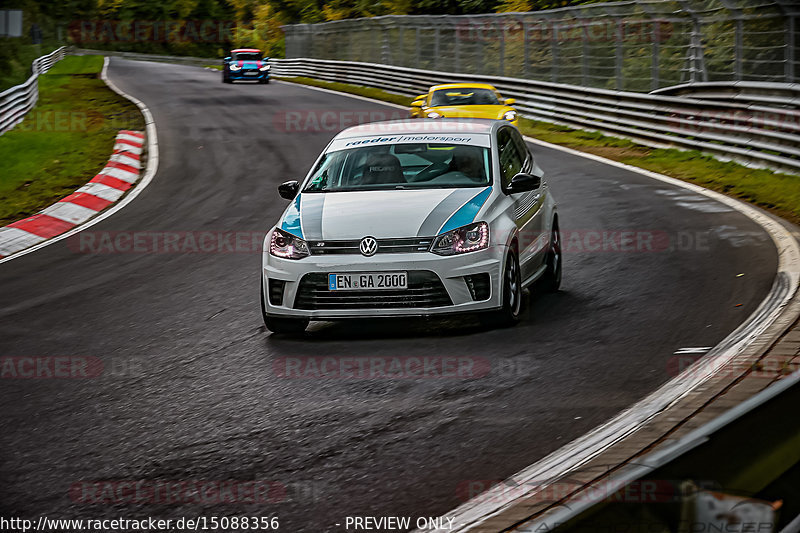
{"x": 464, "y": 100}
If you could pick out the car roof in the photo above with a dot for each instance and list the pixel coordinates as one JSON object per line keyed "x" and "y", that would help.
{"x": 418, "y": 126}
{"x": 463, "y": 86}
{"x": 256, "y": 50}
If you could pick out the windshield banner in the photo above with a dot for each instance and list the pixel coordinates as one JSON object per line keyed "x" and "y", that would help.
{"x": 432, "y": 138}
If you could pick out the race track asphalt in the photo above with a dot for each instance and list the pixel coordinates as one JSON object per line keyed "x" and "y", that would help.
{"x": 190, "y": 389}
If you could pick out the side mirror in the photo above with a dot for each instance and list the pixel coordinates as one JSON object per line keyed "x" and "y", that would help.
{"x": 524, "y": 182}
{"x": 227, "y": 59}
{"x": 422, "y": 97}
{"x": 417, "y": 103}
{"x": 289, "y": 189}
{"x": 509, "y": 101}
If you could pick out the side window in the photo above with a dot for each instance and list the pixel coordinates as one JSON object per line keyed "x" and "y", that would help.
{"x": 527, "y": 158}
{"x": 511, "y": 159}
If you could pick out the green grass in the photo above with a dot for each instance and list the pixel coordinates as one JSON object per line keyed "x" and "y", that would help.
{"x": 215, "y": 67}
{"x": 77, "y": 65}
{"x": 777, "y": 192}
{"x": 63, "y": 141}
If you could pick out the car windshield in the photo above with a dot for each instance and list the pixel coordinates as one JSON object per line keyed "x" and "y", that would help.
{"x": 464, "y": 96}
{"x": 246, "y": 56}
{"x": 402, "y": 166}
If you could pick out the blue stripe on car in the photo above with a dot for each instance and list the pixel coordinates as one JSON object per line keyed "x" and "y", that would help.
{"x": 311, "y": 217}
{"x": 291, "y": 220}
{"x": 467, "y": 213}
{"x": 439, "y": 215}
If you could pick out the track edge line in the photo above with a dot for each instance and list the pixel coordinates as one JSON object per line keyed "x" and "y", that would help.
{"x": 147, "y": 177}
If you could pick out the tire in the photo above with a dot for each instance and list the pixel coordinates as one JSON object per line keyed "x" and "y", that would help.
{"x": 509, "y": 314}
{"x": 288, "y": 326}
{"x": 265, "y": 81}
{"x": 551, "y": 280}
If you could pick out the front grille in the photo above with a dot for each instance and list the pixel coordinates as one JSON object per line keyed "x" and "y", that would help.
{"x": 385, "y": 246}
{"x": 425, "y": 289}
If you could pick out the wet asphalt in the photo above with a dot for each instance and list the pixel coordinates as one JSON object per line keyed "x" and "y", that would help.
{"x": 192, "y": 389}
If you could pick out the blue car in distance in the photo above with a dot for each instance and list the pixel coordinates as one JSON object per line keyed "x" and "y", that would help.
{"x": 245, "y": 64}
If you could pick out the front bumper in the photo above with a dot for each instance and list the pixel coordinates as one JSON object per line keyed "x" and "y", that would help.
{"x": 451, "y": 271}
{"x": 248, "y": 75}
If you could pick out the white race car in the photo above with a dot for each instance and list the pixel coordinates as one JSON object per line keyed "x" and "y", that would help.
{"x": 412, "y": 218}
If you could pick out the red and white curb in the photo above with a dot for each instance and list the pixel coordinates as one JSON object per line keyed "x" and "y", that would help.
{"x": 109, "y": 185}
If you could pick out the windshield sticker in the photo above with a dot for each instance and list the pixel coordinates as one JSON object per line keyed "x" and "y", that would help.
{"x": 473, "y": 140}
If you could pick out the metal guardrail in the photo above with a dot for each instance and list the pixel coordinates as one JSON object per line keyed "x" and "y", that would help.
{"x": 760, "y": 132}
{"x": 629, "y": 45}
{"x": 777, "y": 94}
{"x": 17, "y": 101}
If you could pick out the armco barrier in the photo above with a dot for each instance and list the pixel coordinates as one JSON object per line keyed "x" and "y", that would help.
{"x": 757, "y": 123}
{"x": 750, "y": 92}
{"x": 764, "y": 131}
{"x": 17, "y": 101}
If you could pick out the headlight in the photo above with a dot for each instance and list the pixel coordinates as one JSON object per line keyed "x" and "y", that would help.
{"x": 434, "y": 114}
{"x": 262, "y": 68}
{"x": 235, "y": 67}
{"x": 462, "y": 240}
{"x": 287, "y": 246}
{"x": 511, "y": 116}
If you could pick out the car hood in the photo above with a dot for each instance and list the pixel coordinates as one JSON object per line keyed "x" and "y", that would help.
{"x": 382, "y": 214}
{"x": 474, "y": 111}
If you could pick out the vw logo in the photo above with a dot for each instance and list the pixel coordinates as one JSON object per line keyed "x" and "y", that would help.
{"x": 368, "y": 246}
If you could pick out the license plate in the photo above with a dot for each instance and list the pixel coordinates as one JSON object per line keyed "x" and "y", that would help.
{"x": 368, "y": 281}
{"x": 251, "y": 73}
